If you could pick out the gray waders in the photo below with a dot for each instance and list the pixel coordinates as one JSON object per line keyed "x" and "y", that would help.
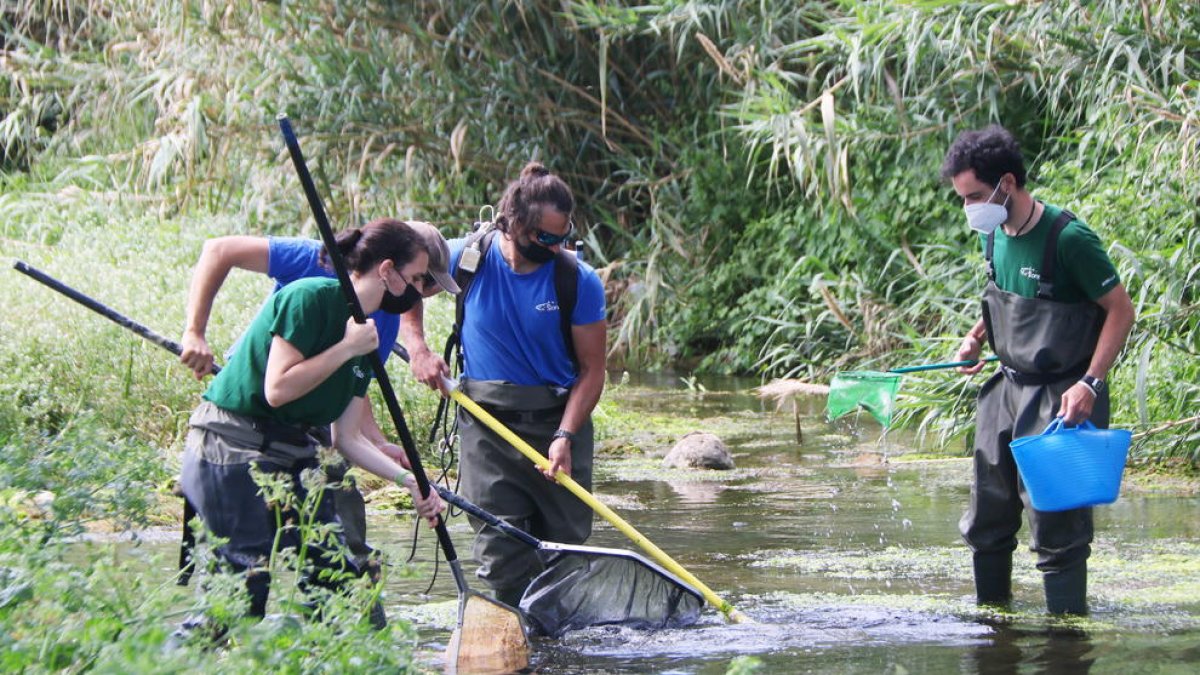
{"x": 1044, "y": 348}
{"x": 498, "y": 478}
{"x": 220, "y": 449}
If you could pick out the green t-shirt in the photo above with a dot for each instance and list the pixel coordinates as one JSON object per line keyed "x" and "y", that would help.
{"x": 1084, "y": 270}
{"x": 310, "y": 314}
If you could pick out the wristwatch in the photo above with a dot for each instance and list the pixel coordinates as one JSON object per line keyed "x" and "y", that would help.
{"x": 563, "y": 433}
{"x": 1094, "y": 383}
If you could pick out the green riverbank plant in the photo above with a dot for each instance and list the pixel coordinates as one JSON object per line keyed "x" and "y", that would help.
{"x": 74, "y": 600}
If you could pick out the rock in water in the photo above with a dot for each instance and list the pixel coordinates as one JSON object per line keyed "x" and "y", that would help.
{"x": 699, "y": 450}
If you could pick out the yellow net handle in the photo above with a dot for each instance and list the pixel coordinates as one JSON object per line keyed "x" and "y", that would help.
{"x": 608, "y": 514}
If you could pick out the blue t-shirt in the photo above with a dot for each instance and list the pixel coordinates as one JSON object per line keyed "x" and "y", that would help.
{"x": 293, "y": 258}
{"x": 511, "y": 329}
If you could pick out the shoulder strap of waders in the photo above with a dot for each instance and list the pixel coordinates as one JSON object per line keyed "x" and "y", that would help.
{"x": 987, "y": 255}
{"x": 1050, "y": 256}
{"x": 566, "y": 287}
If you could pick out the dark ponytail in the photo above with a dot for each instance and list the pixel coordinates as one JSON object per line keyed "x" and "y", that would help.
{"x": 347, "y": 240}
{"x": 381, "y": 239}
{"x": 523, "y": 200}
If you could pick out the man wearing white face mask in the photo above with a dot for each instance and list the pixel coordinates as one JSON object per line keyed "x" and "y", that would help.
{"x": 1056, "y": 314}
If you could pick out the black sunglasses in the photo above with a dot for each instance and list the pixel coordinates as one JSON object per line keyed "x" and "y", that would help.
{"x": 546, "y": 239}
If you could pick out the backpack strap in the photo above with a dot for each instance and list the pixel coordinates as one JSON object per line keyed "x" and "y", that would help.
{"x": 566, "y": 287}
{"x": 1050, "y": 255}
{"x": 469, "y": 264}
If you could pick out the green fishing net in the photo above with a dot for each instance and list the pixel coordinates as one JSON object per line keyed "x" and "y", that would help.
{"x": 872, "y": 391}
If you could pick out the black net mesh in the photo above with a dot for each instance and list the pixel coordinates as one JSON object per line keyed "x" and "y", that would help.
{"x": 587, "y": 586}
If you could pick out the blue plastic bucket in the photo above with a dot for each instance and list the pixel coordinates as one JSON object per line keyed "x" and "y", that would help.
{"x": 1071, "y": 467}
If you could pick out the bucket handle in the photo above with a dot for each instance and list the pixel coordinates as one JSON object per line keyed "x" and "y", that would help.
{"x": 1056, "y": 425}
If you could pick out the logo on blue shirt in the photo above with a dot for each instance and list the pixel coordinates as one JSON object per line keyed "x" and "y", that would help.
{"x": 551, "y": 306}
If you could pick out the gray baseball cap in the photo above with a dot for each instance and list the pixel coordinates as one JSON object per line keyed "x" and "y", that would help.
{"x": 439, "y": 254}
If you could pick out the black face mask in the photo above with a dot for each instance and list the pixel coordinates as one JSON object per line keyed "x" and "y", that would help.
{"x": 535, "y": 253}
{"x": 399, "y": 304}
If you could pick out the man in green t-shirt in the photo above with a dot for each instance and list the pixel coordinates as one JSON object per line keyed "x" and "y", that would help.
{"x": 1056, "y": 314}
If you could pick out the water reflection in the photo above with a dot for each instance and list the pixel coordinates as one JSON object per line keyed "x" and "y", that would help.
{"x": 697, "y": 492}
{"x": 1010, "y": 650}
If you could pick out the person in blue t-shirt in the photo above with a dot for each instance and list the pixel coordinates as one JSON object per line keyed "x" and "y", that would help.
{"x": 289, "y": 259}
{"x": 518, "y": 367}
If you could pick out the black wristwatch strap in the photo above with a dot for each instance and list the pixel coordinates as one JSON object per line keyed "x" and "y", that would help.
{"x": 1094, "y": 383}
{"x": 563, "y": 433}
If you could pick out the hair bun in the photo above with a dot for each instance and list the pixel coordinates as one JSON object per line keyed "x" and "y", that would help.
{"x": 349, "y": 239}
{"x": 535, "y": 170}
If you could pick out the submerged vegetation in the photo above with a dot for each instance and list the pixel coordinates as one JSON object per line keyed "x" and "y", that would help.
{"x": 757, "y": 185}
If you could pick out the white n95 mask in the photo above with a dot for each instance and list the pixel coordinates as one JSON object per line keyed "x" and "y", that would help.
{"x": 985, "y": 217}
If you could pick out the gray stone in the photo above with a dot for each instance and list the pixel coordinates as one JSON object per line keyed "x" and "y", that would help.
{"x": 699, "y": 450}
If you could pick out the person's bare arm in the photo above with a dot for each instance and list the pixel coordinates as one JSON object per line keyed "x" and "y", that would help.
{"x": 428, "y": 367}
{"x": 1077, "y": 402}
{"x": 217, "y": 258}
{"x": 290, "y": 375}
{"x": 371, "y": 431}
{"x": 354, "y": 446}
{"x": 971, "y": 348}
{"x": 591, "y": 343}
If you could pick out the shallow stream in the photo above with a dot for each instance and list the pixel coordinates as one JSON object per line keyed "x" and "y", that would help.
{"x": 844, "y": 553}
{"x": 848, "y": 559}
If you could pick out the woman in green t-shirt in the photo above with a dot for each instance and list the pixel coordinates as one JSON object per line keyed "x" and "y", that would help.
{"x": 302, "y": 365}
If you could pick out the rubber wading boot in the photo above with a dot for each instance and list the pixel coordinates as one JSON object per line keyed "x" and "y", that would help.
{"x": 195, "y": 629}
{"x": 993, "y": 579}
{"x": 1066, "y": 591}
{"x": 377, "y": 617}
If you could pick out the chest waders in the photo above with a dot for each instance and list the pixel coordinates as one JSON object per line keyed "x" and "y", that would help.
{"x": 221, "y": 448}
{"x": 1044, "y": 348}
{"x": 496, "y": 476}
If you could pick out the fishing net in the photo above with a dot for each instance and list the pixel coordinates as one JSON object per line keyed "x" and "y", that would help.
{"x": 873, "y": 391}
{"x": 587, "y": 586}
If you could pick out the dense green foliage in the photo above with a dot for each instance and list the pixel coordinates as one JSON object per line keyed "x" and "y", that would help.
{"x": 758, "y": 186}
{"x": 758, "y": 181}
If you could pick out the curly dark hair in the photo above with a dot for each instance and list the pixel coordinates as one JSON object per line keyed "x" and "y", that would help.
{"x": 523, "y": 200}
{"x": 990, "y": 152}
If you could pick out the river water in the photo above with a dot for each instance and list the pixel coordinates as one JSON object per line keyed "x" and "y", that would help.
{"x": 847, "y": 558}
